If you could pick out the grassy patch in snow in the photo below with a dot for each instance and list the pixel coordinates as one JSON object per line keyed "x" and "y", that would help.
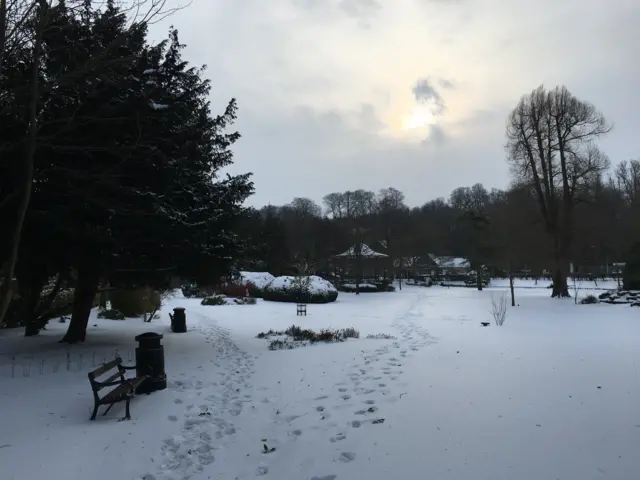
{"x": 380, "y": 336}
{"x": 295, "y": 336}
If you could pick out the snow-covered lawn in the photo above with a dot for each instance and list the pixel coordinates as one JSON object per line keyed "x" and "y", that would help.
{"x": 554, "y": 393}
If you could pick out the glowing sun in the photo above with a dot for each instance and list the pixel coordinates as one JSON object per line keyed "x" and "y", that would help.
{"x": 420, "y": 116}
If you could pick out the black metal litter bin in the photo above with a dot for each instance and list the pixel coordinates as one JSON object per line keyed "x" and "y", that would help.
{"x": 150, "y": 362}
{"x": 178, "y": 320}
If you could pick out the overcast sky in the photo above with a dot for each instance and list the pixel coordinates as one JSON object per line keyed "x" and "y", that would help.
{"x": 346, "y": 94}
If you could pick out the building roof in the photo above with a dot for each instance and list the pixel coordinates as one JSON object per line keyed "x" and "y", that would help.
{"x": 450, "y": 262}
{"x": 365, "y": 252}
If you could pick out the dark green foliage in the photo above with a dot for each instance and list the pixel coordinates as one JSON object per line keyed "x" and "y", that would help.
{"x": 234, "y": 289}
{"x": 631, "y": 272}
{"x": 267, "y": 334}
{"x": 254, "y": 291}
{"x": 589, "y": 299}
{"x": 126, "y": 181}
{"x": 367, "y": 288}
{"x": 190, "y": 290}
{"x": 135, "y": 302}
{"x": 280, "y": 295}
{"x": 213, "y": 300}
{"x": 246, "y": 301}
{"x": 111, "y": 314}
{"x": 297, "y": 290}
{"x": 350, "y": 288}
{"x": 471, "y": 279}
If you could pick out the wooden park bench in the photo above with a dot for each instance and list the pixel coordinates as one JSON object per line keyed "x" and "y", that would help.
{"x": 124, "y": 387}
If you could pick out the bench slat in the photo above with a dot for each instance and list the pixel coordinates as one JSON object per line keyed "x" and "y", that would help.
{"x": 112, "y": 378}
{"x": 105, "y": 368}
{"x": 117, "y": 394}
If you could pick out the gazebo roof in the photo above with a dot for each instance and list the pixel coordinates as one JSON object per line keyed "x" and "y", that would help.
{"x": 365, "y": 252}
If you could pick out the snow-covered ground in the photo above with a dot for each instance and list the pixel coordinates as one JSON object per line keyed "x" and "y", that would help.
{"x": 554, "y": 393}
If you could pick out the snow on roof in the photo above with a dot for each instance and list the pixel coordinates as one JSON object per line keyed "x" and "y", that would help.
{"x": 450, "y": 262}
{"x": 365, "y": 252}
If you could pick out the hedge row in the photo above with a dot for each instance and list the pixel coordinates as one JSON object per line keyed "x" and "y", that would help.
{"x": 290, "y": 295}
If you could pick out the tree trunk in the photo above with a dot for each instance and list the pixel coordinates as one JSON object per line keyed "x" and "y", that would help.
{"x": 31, "y": 291}
{"x": 479, "y": 279}
{"x": 560, "y": 287}
{"x": 3, "y": 31}
{"x": 27, "y": 179}
{"x": 513, "y": 294}
{"x": 85, "y": 293}
{"x": 562, "y": 241}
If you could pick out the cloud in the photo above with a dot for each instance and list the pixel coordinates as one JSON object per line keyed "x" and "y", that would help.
{"x": 446, "y": 83}
{"x": 360, "y": 9}
{"x": 322, "y": 100}
{"x": 437, "y": 135}
{"x": 425, "y": 93}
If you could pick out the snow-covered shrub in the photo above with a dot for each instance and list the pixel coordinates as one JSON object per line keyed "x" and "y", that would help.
{"x": 256, "y": 282}
{"x": 311, "y": 289}
{"x": 111, "y": 314}
{"x": 363, "y": 288}
{"x": 589, "y": 299}
{"x": 213, "y": 300}
{"x": 620, "y": 297}
{"x": 499, "y": 309}
{"x": 245, "y": 301}
{"x": 382, "y": 286}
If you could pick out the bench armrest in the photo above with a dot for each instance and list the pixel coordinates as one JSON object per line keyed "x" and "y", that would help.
{"x": 131, "y": 367}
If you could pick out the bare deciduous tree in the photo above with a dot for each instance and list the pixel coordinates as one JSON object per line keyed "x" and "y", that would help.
{"x": 14, "y": 14}
{"x": 626, "y": 179}
{"x": 305, "y": 207}
{"x": 550, "y": 138}
{"x": 499, "y": 309}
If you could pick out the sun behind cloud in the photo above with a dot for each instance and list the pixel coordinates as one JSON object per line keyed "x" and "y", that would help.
{"x": 420, "y": 116}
